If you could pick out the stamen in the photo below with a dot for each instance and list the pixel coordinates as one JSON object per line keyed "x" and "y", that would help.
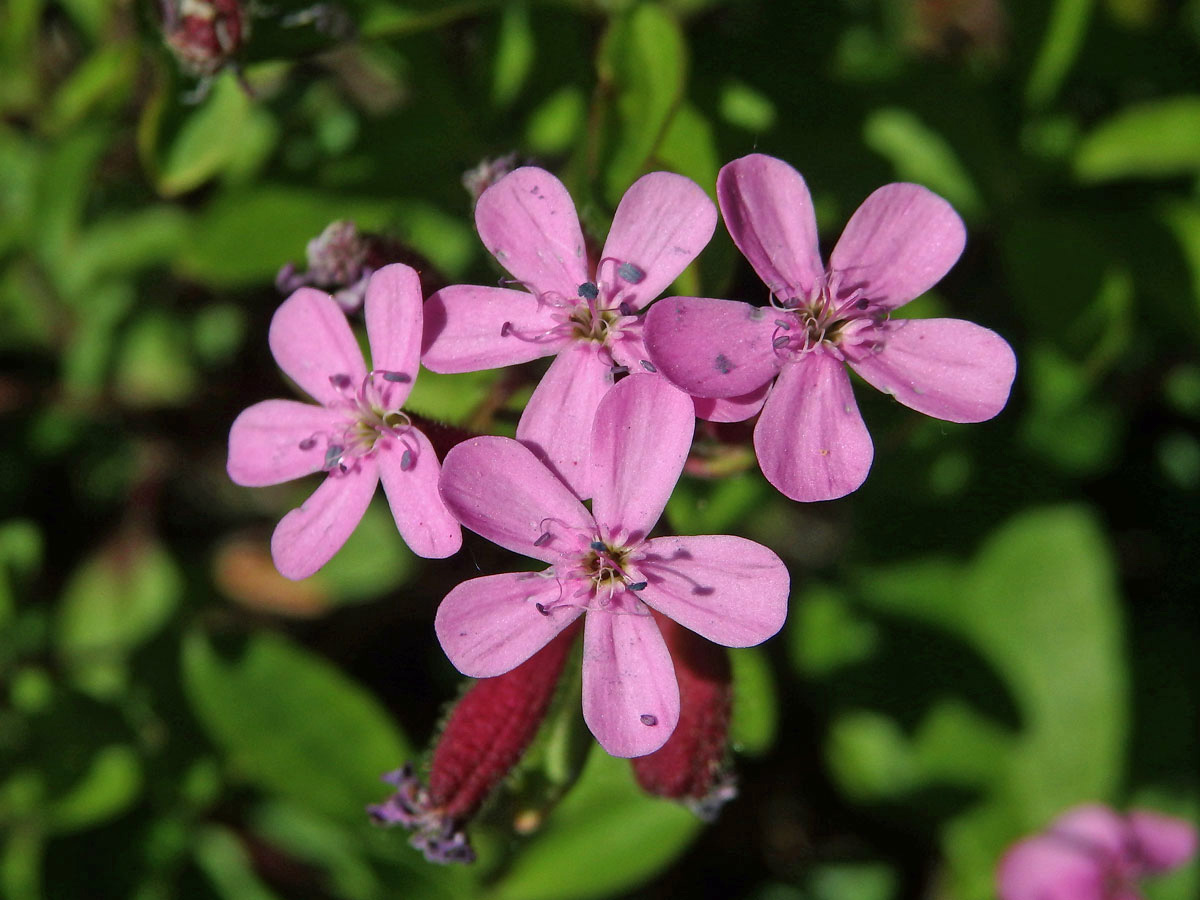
{"x": 540, "y": 608}
{"x": 784, "y": 324}
{"x": 589, "y": 291}
{"x": 618, "y": 370}
{"x": 862, "y": 304}
{"x": 308, "y": 443}
{"x": 780, "y": 342}
{"x": 396, "y": 377}
{"x": 341, "y": 381}
{"x": 543, "y": 539}
{"x": 649, "y": 366}
{"x": 406, "y": 460}
{"x": 648, "y": 719}
{"x": 333, "y": 454}
{"x": 626, "y": 309}
{"x": 638, "y": 586}
{"x": 598, "y": 546}
{"x": 506, "y": 329}
{"x": 627, "y": 271}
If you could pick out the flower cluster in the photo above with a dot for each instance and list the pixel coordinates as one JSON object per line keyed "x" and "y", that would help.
{"x": 612, "y": 422}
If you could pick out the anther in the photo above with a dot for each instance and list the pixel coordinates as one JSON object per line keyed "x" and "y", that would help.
{"x": 598, "y": 546}
{"x": 332, "y": 455}
{"x": 784, "y": 323}
{"x": 397, "y": 377}
{"x": 619, "y": 370}
{"x": 406, "y": 460}
{"x": 340, "y": 381}
{"x": 543, "y": 539}
{"x": 541, "y": 609}
{"x": 308, "y": 443}
{"x": 589, "y": 291}
{"x": 627, "y": 271}
{"x": 862, "y": 304}
{"x": 781, "y": 341}
{"x": 648, "y": 719}
{"x": 625, "y": 308}
{"x": 649, "y": 366}
{"x": 506, "y": 329}
{"x": 638, "y": 586}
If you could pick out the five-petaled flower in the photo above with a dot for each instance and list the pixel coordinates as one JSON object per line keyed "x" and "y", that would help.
{"x": 728, "y": 589}
{"x": 358, "y": 434}
{"x": 810, "y": 438}
{"x": 586, "y": 314}
{"x": 1093, "y": 853}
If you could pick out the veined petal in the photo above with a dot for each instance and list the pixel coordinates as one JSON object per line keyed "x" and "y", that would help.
{"x": 557, "y": 422}
{"x": 269, "y": 441}
{"x": 769, "y": 214}
{"x": 640, "y": 440}
{"x": 527, "y": 220}
{"x": 394, "y": 326}
{"x": 308, "y": 536}
{"x": 946, "y": 368}
{"x": 492, "y": 624}
{"x": 312, "y": 341}
{"x": 712, "y": 348}
{"x": 1165, "y": 842}
{"x": 496, "y": 487}
{"x": 468, "y": 328}
{"x": 730, "y": 590}
{"x": 411, "y": 486}
{"x": 897, "y": 245}
{"x": 661, "y": 224}
{"x": 731, "y": 409}
{"x": 810, "y": 439}
{"x": 630, "y": 696}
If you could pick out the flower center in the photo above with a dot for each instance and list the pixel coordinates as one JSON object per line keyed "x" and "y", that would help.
{"x": 372, "y": 413}
{"x": 824, "y": 320}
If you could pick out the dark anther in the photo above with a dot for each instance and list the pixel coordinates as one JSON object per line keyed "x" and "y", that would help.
{"x": 598, "y": 546}
{"x": 589, "y": 291}
{"x": 332, "y": 455}
{"x": 626, "y": 309}
{"x": 340, "y": 381}
{"x": 541, "y": 609}
{"x": 630, "y": 273}
{"x": 406, "y": 460}
{"x": 308, "y": 443}
{"x": 543, "y": 539}
{"x": 784, "y": 323}
{"x": 638, "y": 586}
{"x": 781, "y": 341}
{"x": 505, "y": 329}
{"x": 649, "y": 366}
{"x": 396, "y": 377}
{"x": 619, "y": 370}
{"x": 648, "y": 719}
{"x": 862, "y": 304}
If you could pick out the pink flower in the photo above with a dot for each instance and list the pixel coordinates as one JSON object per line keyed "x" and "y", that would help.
{"x": 358, "y": 433}
{"x": 727, "y": 589}
{"x": 584, "y": 314}
{"x": 810, "y": 439}
{"x": 1094, "y": 853}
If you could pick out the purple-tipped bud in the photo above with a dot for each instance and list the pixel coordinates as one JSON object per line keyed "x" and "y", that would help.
{"x": 484, "y": 737}
{"x": 487, "y": 173}
{"x": 205, "y": 35}
{"x": 690, "y": 767}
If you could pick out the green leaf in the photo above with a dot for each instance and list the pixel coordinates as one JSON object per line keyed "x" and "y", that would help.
{"x": 825, "y": 634}
{"x": 555, "y": 123}
{"x": 515, "y": 52}
{"x": 1060, "y": 47}
{"x": 224, "y": 859}
{"x": 1158, "y": 139}
{"x": 920, "y": 154}
{"x": 755, "y": 702}
{"x": 605, "y": 837}
{"x": 153, "y": 367}
{"x": 152, "y": 235}
{"x": 746, "y": 107}
{"x": 314, "y": 839}
{"x": 20, "y": 555}
{"x": 374, "y": 561}
{"x": 293, "y": 724}
{"x": 643, "y": 60}
{"x": 111, "y": 783}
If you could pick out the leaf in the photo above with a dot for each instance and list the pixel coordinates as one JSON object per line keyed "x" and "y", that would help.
{"x": 20, "y": 555}
{"x": 153, "y": 367}
{"x": 293, "y": 724}
{"x": 111, "y": 783}
{"x": 224, "y": 859}
{"x": 605, "y": 837}
{"x": 515, "y": 52}
{"x": 755, "y": 702}
{"x": 1061, "y": 45}
{"x": 1158, "y": 139}
{"x": 643, "y": 60}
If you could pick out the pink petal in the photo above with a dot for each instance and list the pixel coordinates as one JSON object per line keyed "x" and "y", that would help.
{"x": 769, "y": 214}
{"x": 411, "y": 485}
{"x": 946, "y": 368}
{"x": 496, "y": 487}
{"x": 731, "y": 409}
{"x": 712, "y": 348}
{"x": 528, "y": 222}
{"x": 307, "y": 537}
{"x": 810, "y": 439}
{"x": 640, "y": 440}
{"x": 897, "y": 245}
{"x": 1046, "y": 867}
{"x": 267, "y": 441}
{"x": 1165, "y": 842}
{"x": 661, "y": 224}
{"x": 557, "y": 422}
{"x": 393, "y": 313}
{"x": 492, "y": 624}
{"x": 630, "y": 696}
{"x": 468, "y": 328}
{"x": 728, "y": 589}
{"x": 312, "y": 341}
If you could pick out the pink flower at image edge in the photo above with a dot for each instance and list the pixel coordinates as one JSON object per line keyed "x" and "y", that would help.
{"x": 1094, "y": 853}
{"x": 585, "y": 316}
{"x": 810, "y": 439}
{"x": 727, "y": 589}
{"x": 358, "y": 433}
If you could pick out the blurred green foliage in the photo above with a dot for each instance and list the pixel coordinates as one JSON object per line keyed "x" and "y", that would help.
{"x": 1001, "y": 623}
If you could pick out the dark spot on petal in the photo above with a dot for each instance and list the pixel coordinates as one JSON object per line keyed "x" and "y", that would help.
{"x": 648, "y": 719}
{"x": 722, "y": 364}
